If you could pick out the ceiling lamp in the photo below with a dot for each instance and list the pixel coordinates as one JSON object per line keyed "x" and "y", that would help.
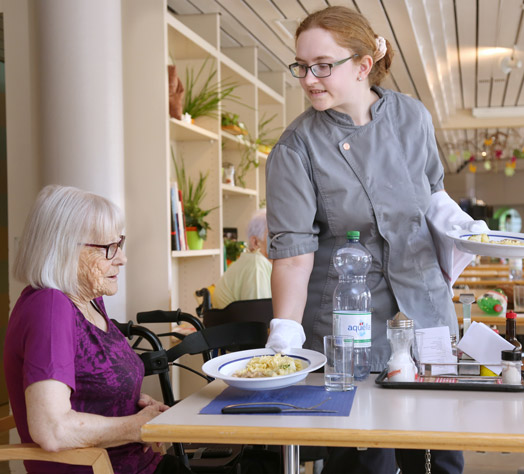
{"x": 508, "y": 64}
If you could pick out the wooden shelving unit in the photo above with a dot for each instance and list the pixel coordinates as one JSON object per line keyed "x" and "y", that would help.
{"x": 157, "y": 277}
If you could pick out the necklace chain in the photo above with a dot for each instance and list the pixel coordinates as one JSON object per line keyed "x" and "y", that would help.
{"x": 92, "y": 306}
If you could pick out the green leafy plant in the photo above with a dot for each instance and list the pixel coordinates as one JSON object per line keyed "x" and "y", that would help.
{"x": 266, "y": 137}
{"x": 205, "y": 101}
{"x": 232, "y": 121}
{"x": 233, "y": 248}
{"x": 229, "y": 118}
{"x": 192, "y": 196}
{"x": 249, "y": 158}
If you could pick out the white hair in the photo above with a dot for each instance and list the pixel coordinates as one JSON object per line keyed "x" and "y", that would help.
{"x": 257, "y": 226}
{"x": 62, "y": 218}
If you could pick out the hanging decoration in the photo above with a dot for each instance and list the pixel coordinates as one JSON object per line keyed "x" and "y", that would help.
{"x": 494, "y": 152}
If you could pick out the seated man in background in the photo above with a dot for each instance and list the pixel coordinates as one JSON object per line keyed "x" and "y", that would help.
{"x": 249, "y": 277}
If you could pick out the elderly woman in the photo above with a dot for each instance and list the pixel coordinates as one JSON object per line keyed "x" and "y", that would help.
{"x": 249, "y": 277}
{"x": 72, "y": 378}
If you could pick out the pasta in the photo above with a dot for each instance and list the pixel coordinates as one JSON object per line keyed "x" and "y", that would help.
{"x": 269, "y": 366}
{"x": 483, "y": 238}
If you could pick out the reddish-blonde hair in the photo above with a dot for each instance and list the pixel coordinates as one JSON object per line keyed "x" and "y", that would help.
{"x": 352, "y": 31}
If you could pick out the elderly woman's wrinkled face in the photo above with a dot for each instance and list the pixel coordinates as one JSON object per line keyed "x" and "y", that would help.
{"x": 98, "y": 276}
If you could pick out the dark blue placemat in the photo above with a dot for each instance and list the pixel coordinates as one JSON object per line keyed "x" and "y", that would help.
{"x": 300, "y": 395}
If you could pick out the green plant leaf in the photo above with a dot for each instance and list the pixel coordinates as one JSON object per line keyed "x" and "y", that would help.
{"x": 205, "y": 101}
{"x": 192, "y": 196}
{"x": 233, "y": 248}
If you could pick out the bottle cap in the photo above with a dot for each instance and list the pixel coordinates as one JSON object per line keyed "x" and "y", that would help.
{"x": 353, "y": 234}
{"x": 400, "y": 321}
{"x": 511, "y": 315}
{"x": 512, "y": 355}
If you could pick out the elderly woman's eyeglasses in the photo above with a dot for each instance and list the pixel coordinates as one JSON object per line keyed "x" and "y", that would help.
{"x": 318, "y": 70}
{"x": 112, "y": 248}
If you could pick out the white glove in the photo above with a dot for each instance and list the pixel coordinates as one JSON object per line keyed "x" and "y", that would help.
{"x": 284, "y": 335}
{"x": 475, "y": 227}
{"x": 444, "y": 215}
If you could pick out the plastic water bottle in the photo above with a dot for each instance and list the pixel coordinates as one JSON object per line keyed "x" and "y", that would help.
{"x": 352, "y": 301}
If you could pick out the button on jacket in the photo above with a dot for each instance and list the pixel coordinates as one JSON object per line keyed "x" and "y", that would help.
{"x": 327, "y": 176}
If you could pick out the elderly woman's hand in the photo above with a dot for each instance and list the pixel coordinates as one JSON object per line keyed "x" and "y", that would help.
{"x": 147, "y": 401}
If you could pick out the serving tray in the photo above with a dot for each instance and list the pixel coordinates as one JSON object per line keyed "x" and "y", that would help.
{"x": 451, "y": 382}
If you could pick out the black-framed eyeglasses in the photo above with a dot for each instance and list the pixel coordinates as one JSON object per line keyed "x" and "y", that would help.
{"x": 318, "y": 70}
{"x": 112, "y": 248}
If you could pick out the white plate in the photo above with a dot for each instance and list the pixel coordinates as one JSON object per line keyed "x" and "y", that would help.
{"x": 223, "y": 367}
{"x": 460, "y": 237}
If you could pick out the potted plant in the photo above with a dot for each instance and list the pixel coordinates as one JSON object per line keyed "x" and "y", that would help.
{"x": 265, "y": 139}
{"x": 232, "y": 124}
{"x": 192, "y": 196}
{"x": 233, "y": 249}
{"x": 262, "y": 143}
{"x": 205, "y": 100}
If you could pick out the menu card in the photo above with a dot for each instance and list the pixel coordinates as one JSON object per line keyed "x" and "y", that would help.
{"x": 434, "y": 347}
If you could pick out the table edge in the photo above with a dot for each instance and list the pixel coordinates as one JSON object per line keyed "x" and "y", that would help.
{"x": 335, "y": 437}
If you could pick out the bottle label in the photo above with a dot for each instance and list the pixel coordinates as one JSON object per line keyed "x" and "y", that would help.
{"x": 353, "y": 323}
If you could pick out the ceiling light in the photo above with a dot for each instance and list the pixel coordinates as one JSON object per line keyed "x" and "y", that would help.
{"x": 508, "y": 63}
{"x": 497, "y": 112}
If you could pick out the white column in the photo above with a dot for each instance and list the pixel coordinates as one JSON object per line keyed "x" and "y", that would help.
{"x": 79, "y": 48}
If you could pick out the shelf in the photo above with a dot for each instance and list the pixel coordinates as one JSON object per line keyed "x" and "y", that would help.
{"x": 228, "y": 189}
{"x": 194, "y": 253}
{"x": 232, "y": 72}
{"x": 267, "y": 96}
{"x": 185, "y": 43}
{"x": 236, "y": 140}
{"x": 188, "y": 132}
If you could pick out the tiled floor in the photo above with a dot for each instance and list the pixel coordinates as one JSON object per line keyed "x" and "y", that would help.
{"x": 477, "y": 463}
{"x": 494, "y": 463}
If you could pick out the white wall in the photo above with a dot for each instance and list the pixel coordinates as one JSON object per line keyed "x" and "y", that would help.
{"x": 64, "y": 107}
{"x": 495, "y": 189}
{"x": 23, "y": 147}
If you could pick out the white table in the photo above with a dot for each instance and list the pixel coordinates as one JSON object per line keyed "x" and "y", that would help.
{"x": 379, "y": 418}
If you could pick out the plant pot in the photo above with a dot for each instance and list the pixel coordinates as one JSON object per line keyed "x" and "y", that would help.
{"x": 194, "y": 241}
{"x": 234, "y": 129}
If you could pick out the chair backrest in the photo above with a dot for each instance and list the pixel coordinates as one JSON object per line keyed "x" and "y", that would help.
{"x": 97, "y": 458}
{"x": 205, "y": 305}
{"x": 234, "y": 336}
{"x": 239, "y": 311}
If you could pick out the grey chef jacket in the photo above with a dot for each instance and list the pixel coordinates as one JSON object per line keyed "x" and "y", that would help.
{"x": 327, "y": 176}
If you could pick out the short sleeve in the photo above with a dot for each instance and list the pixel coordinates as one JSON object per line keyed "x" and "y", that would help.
{"x": 291, "y": 204}
{"x": 434, "y": 168}
{"x": 49, "y": 340}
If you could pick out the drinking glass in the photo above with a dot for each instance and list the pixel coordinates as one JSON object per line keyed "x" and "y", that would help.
{"x": 338, "y": 371}
{"x": 518, "y": 298}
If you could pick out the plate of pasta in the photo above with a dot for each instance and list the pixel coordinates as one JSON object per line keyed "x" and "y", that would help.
{"x": 263, "y": 369}
{"x": 490, "y": 244}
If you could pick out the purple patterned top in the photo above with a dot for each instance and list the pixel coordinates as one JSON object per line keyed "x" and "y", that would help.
{"x": 49, "y": 338}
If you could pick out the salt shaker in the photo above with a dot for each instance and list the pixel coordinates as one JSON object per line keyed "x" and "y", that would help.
{"x": 401, "y": 334}
{"x": 511, "y": 367}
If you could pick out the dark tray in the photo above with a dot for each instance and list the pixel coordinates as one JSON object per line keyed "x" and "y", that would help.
{"x": 451, "y": 382}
